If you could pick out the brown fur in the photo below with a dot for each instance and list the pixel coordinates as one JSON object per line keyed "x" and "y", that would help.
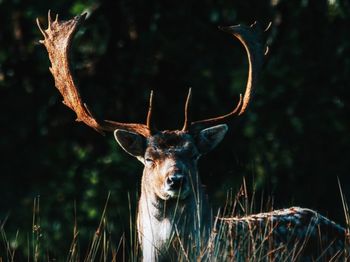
{"x": 163, "y": 219}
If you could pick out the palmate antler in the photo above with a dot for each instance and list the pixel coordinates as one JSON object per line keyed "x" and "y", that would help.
{"x": 250, "y": 37}
{"x": 57, "y": 40}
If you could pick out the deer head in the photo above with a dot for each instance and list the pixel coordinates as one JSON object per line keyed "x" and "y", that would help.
{"x": 170, "y": 154}
{"x": 169, "y": 157}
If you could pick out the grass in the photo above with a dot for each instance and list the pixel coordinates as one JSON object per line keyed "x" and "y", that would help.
{"x": 227, "y": 241}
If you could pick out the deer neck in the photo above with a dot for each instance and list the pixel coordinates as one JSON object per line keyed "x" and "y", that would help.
{"x": 160, "y": 222}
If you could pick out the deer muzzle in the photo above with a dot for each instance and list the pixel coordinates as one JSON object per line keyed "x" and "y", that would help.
{"x": 176, "y": 183}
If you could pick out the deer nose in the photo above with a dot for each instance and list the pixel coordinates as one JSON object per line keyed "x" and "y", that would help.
{"x": 175, "y": 181}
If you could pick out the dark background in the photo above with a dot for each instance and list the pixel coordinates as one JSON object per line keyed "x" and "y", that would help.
{"x": 291, "y": 144}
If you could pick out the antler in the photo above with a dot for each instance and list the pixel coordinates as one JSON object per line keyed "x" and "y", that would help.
{"x": 57, "y": 40}
{"x": 250, "y": 37}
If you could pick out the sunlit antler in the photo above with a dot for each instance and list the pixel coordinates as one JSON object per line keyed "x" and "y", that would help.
{"x": 57, "y": 40}
{"x": 250, "y": 37}
{"x": 187, "y": 121}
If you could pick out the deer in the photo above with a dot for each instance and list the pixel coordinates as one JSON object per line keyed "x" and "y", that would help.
{"x": 173, "y": 208}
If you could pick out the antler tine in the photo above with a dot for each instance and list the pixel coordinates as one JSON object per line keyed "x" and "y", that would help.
{"x": 41, "y": 30}
{"x": 250, "y": 37}
{"x": 57, "y": 40}
{"x": 49, "y": 19}
{"x": 187, "y": 105}
{"x": 150, "y": 109}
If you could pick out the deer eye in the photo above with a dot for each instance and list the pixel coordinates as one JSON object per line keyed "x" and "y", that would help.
{"x": 149, "y": 161}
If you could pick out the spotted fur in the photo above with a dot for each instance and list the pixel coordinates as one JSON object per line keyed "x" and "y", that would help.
{"x": 301, "y": 233}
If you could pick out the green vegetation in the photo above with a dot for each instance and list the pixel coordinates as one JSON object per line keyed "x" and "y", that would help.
{"x": 227, "y": 241}
{"x": 292, "y": 143}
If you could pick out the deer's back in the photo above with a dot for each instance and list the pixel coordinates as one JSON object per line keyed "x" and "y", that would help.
{"x": 293, "y": 232}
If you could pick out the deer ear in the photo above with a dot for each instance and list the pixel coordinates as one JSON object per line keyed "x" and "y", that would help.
{"x": 210, "y": 137}
{"x": 132, "y": 143}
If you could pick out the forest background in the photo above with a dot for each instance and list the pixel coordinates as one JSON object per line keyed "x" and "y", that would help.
{"x": 292, "y": 144}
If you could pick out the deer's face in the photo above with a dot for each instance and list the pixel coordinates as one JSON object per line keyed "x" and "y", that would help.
{"x": 170, "y": 158}
{"x": 170, "y": 163}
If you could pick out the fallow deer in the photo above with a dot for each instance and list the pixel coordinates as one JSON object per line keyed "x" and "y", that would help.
{"x": 173, "y": 208}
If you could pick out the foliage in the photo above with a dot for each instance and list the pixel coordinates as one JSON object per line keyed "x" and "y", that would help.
{"x": 233, "y": 237}
{"x": 293, "y": 142}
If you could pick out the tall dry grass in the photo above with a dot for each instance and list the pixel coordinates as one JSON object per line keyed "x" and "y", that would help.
{"x": 226, "y": 241}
